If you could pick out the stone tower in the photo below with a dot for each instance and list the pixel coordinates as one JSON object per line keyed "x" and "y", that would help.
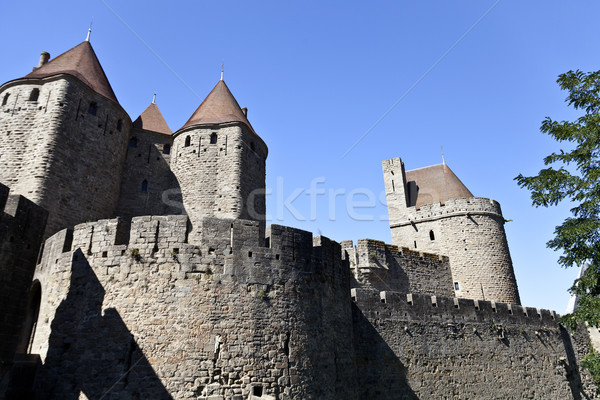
{"x": 63, "y": 137}
{"x": 431, "y": 210}
{"x": 147, "y": 178}
{"x": 219, "y": 161}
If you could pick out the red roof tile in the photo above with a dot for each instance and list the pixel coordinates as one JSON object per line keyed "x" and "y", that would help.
{"x": 435, "y": 184}
{"x": 219, "y": 107}
{"x": 152, "y": 120}
{"x": 82, "y": 63}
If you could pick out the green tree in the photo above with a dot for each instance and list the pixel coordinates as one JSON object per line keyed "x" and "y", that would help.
{"x": 573, "y": 174}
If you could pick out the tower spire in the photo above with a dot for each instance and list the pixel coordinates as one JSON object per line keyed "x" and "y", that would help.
{"x": 87, "y": 39}
{"x": 443, "y": 159}
{"x": 222, "y": 70}
{"x": 154, "y": 99}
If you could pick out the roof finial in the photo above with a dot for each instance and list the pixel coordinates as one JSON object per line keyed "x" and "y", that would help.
{"x": 154, "y": 99}
{"x": 443, "y": 160}
{"x": 87, "y": 39}
{"x": 222, "y": 69}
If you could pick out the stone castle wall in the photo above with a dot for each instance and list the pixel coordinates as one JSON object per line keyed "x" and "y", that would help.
{"x": 21, "y": 229}
{"x": 381, "y": 266}
{"x": 148, "y": 160}
{"x": 432, "y": 347}
{"x": 223, "y": 177}
{"x": 60, "y": 153}
{"x": 469, "y": 231}
{"x": 227, "y": 315}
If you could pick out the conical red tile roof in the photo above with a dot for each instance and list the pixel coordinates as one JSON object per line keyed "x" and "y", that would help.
{"x": 152, "y": 120}
{"x": 82, "y": 63}
{"x": 436, "y": 184}
{"x": 219, "y": 107}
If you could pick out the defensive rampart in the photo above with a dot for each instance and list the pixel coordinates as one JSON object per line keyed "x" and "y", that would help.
{"x": 227, "y": 316}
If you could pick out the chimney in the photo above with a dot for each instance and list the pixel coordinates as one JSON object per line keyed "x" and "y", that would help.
{"x": 44, "y": 57}
{"x": 245, "y": 111}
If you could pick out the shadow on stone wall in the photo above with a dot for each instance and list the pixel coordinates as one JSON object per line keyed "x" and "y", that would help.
{"x": 381, "y": 375}
{"x": 572, "y": 364}
{"x": 91, "y": 351}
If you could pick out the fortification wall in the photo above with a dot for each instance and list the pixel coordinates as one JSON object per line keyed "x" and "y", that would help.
{"x": 434, "y": 347}
{"x": 381, "y": 266}
{"x": 209, "y": 163}
{"x": 225, "y": 316}
{"x": 471, "y": 233}
{"x": 147, "y": 175}
{"x": 64, "y": 151}
{"x": 21, "y": 229}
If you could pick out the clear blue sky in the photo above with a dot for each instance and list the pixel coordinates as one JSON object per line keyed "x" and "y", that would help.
{"x": 317, "y": 75}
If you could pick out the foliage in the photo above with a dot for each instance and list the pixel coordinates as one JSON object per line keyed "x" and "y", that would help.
{"x": 573, "y": 174}
{"x": 135, "y": 254}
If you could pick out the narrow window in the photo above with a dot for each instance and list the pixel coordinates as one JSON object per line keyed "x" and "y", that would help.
{"x": 431, "y": 235}
{"x": 93, "y": 109}
{"x": 456, "y": 286}
{"x": 119, "y": 125}
{"x": 5, "y": 100}
{"x": 393, "y": 187}
{"x": 252, "y": 145}
{"x": 167, "y": 149}
{"x": 213, "y": 138}
{"x": 35, "y": 93}
{"x": 133, "y": 142}
{"x": 188, "y": 141}
{"x": 415, "y": 244}
{"x": 145, "y": 186}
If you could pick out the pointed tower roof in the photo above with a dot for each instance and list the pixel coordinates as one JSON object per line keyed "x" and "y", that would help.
{"x": 436, "y": 184}
{"x": 82, "y": 63}
{"x": 152, "y": 120}
{"x": 218, "y": 107}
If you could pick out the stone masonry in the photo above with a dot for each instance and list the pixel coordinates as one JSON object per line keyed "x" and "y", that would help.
{"x": 470, "y": 231}
{"x": 158, "y": 278}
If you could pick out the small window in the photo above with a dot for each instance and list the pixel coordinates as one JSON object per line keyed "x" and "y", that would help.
{"x": 415, "y": 244}
{"x": 456, "y": 287}
{"x": 133, "y": 142}
{"x": 252, "y": 145}
{"x": 188, "y": 141}
{"x": 431, "y": 235}
{"x": 35, "y": 93}
{"x": 93, "y": 109}
{"x": 167, "y": 149}
{"x": 5, "y": 100}
{"x": 213, "y": 138}
{"x": 119, "y": 125}
{"x": 145, "y": 186}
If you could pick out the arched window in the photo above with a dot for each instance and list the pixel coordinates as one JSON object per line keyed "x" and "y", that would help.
{"x": 144, "y": 186}
{"x": 5, "y": 100}
{"x": 188, "y": 141}
{"x": 167, "y": 149}
{"x": 93, "y": 109}
{"x": 431, "y": 235}
{"x": 35, "y": 93}
{"x": 213, "y": 138}
{"x": 133, "y": 142}
{"x": 119, "y": 125}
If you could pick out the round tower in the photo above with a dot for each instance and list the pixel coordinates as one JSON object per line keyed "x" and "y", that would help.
{"x": 219, "y": 161}
{"x": 63, "y": 138}
{"x": 431, "y": 210}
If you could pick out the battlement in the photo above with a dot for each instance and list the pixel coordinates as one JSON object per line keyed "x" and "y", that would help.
{"x": 376, "y": 264}
{"x": 416, "y": 306}
{"x": 233, "y": 249}
{"x": 447, "y": 209}
{"x": 20, "y": 217}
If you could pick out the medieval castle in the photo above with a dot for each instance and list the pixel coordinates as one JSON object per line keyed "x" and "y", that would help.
{"x": 135, "y": 264}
